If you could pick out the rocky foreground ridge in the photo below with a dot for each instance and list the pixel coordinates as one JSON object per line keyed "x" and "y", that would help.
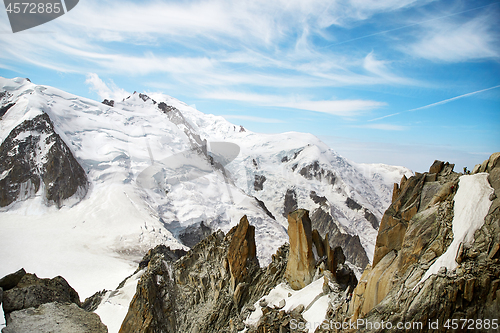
{"x": 215, "y": 286}
{"x": 31, "y": 304}
{"x": 437, "y": 259}
{"x": 212, "y": 288}
{"x": 418, "y": 232}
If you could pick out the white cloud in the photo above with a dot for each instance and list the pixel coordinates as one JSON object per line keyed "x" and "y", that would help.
{"x": 384, "y": 127}
{"x": 254, "y": 119}
{"x": 105, "y": 91}
{"x": 449, "y": 41}
{"x": 345, "y": 107}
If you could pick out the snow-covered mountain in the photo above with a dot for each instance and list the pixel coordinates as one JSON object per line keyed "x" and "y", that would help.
{"x": 100, "y": 184}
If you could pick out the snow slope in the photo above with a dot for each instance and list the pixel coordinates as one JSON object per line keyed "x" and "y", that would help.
{"x": 472, "y": 203}
{"x": 141, "y": 194}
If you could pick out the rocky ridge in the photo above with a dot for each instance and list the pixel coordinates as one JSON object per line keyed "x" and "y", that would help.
{"x": 215, "y": 287}
{"x": 415, "y": 232}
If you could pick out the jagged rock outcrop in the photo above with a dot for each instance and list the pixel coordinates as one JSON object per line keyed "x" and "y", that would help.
{"x": 242, "y": 253}
{"x": 55, "y": 317}
{"x": 350, "y": 244}
{"x": 45, "y": 305}
{"x": 11, "y": 280}
{"x": 34, "y": 156}
{"x": 153, "y": 307}
{"x": 305, "y": 246}
{"x": 195, "y": 293}
{"x": 214, "y": 287}
{"x": 92, "y": 303}
{"x": 409, "y": 281}
{"x": 32, "y": 291}
{"x": 301, "y": 262}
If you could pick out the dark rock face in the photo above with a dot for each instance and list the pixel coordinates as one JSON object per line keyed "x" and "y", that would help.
{"x": 317, "y": 199}
{"x": 290, "y": 203}
{"x": 164, "y": 107}
{"x": 371, "y": 218}
{"x": 263, "y": 206}
{"x": 6, "y": 108}
{"x": 390, "y": 290}
{"x": 315, "y": 171}
{"x": 108, "y": 102}
{"x": 166, "y": 252}
{"x": 194, "y": 234}
{"x": 176, "y": 117}
{"x": 32, "y": 291}
{"x": 33, "y": 154}
{"x": 55, "y": 317}
{"x": 91, "y": 303}
{"x": 351, "y": 245}
{"x": 258, "y": 183}
{"x": 353, "y": 204}
{"x": 11, "y": 280}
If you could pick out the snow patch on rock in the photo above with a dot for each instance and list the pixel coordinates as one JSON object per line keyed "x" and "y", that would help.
{"x": 471, "y": 206}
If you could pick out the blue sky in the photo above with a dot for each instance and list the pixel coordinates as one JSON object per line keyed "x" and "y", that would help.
{"x": 381, "y": 81}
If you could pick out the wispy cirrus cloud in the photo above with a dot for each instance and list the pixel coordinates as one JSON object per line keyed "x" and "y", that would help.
{"x": 253, "y": 119}
{"x": 451, "y": 40}
{"x": 384, "y": 127}
{"x": 448, "y": 100}
{"x": 345, "y": 108}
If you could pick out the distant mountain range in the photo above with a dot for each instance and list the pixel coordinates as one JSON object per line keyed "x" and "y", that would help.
{"x": 86, "y": 188}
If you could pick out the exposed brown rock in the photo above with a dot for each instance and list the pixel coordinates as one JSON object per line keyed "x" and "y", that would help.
{"x": 194, "y": 294}
{"x": 242, "y": 254}
{"x": 318, "y": 243}
{"x": 300, "y": 267}
{"x": 395, "y": 192}
{"x": 392, "y": 290}
{"x": 395, "y": 220}
{"x": 436, "y": 167}
{"x": 374, "y": 286}
{"x": 152, "y": 307}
